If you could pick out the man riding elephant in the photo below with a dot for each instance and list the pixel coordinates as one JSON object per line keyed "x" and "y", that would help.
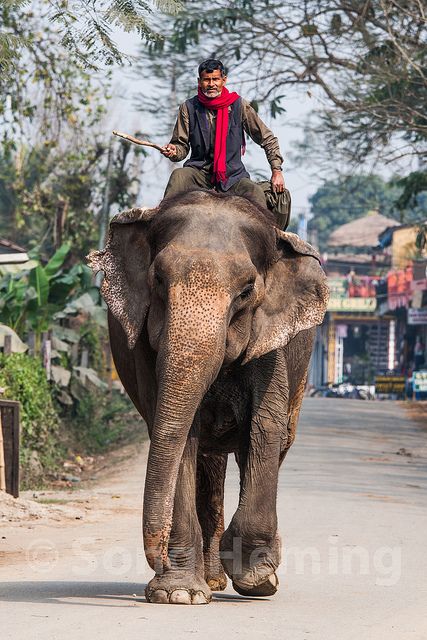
{"x": 213, "y": 124}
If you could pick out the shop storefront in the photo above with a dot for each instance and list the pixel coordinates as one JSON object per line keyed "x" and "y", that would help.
{"x": 360, "y": 342}
{"x": 407, "y": 303}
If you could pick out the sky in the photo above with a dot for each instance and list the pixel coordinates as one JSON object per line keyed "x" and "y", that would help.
{"x": 123, "y": 116}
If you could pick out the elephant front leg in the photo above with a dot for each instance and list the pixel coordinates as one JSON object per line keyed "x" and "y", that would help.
{"x": 183, "y": 581}
{"x": 211, "y": 470}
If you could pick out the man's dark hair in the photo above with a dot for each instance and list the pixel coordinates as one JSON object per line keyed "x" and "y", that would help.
{"x": 211, "y": 65}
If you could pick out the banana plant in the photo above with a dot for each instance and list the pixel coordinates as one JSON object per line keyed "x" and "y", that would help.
{"x": 30, "y": 298}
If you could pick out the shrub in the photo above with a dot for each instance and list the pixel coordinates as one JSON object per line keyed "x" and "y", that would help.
{"x": 24, "y": 379}
{"x": 101, "y": 421}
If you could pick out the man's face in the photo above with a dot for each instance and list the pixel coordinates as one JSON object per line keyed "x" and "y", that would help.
{"x": 211, "y": 84}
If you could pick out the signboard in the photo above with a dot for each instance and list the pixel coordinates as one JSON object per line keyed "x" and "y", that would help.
{"x": 338, "y": 287}
{"x": 420, "y": 381}
{"x": 352, "y": 304}
{"x": 417, "y": 316}
{"x": 390, "y": 383}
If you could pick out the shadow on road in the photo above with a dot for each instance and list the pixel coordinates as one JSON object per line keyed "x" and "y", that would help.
{"x": 63, "y": 592}
{"x": 55, "y": 591}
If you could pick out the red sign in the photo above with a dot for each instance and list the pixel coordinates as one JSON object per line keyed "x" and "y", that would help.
{"x": 363, "y": 286}
{"x": 399, "y": 287}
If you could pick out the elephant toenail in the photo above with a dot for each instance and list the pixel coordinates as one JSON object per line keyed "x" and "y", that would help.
{"x": 159, "y": 596}
{"x": 199, "y": 598}
{"x": 274, "y": 580}
{"x": 180, "y": 596}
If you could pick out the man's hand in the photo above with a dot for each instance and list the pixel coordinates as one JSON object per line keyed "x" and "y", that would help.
{"x": 277, "y": 181}
{"x": 169, "y": 150}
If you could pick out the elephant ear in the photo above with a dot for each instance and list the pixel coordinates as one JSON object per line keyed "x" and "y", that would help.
{"x": 296, "y": 297}
{"x": 125, "y": 262}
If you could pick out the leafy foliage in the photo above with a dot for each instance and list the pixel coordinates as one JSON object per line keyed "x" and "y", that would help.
{"x": 30, "y": 298}
{"x": 414, "y": 185}
{"x": 96, "y": 423}
{"x": 101, "y": 421}
{"x": 85, "y": 29}
{"x": 48, "y": 159}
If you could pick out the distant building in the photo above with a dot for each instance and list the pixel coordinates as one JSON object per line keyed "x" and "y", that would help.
{"x": 404, "y": 295}
{"x": 355, "y": 342}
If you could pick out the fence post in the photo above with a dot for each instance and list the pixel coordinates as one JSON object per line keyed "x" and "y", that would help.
{"x": 2, "y": 467}
{"x": 109, "y": 363}
{"x": 7, "y": 347}
{"x": 31, "y": 343}
{"x": 75, "y": 353}
{"x": 84, "y": 359}
{"x": 9, "y": 447}
{"x": 46, "y": 352}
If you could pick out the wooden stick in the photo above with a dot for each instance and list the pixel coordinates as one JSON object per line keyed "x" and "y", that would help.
{"x": 2, "y": 466}
{"x": 7, "y": 347}
{"x": 145, "y": 143}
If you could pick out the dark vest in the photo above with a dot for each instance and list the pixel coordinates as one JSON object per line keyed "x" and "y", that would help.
{"x": 200, "y": 140}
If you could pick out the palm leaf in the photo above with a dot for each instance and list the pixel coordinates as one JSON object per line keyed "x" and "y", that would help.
{"x": 56, "y": 261}
{"x": 40, "y": 282}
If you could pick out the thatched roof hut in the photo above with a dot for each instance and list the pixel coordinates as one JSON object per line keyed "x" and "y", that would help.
{"x": 362, "y": 232}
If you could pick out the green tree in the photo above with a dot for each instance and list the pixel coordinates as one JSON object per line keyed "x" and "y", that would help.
{"x": 53, "y": 151}
{"x": 49, "y": 145}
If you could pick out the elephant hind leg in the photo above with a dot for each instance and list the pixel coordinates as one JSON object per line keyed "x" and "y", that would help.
{"x": 211, "y": 470}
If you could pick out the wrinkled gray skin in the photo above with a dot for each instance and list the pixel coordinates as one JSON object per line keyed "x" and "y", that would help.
{"x": 211, "y": 313}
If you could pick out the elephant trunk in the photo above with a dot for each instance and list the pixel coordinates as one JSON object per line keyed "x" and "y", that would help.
{"x": 188, "y": 362}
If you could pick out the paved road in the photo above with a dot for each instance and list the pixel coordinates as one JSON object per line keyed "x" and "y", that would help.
{"x": 353, "y": 517}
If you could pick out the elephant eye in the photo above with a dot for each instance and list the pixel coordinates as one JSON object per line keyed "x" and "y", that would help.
{"x": 247, "y": 291}
{"x": 158, "y": 278}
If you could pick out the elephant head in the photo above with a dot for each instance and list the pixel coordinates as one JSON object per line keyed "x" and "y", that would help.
{"x": 215, "y": 282}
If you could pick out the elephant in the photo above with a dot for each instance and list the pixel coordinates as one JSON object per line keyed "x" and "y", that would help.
{"x": 212, "y": 312}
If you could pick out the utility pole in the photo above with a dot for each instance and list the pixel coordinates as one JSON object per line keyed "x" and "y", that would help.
{"x": 105, "y": 212}
{"x": 302, "y": 225}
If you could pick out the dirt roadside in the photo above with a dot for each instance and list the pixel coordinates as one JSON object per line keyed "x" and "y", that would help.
{"x": 108, "y": 492}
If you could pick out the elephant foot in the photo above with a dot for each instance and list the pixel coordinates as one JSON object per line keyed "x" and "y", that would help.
{"x": 177, "y": 588}
{"x": 214, "y": 572}
{"x": 267, "y": 588}
{"x": 251, "y": 566}
{"x": 217, "y": 582}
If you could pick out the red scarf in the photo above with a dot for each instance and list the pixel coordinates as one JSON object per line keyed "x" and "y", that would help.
{"x": 219, "y": 104}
